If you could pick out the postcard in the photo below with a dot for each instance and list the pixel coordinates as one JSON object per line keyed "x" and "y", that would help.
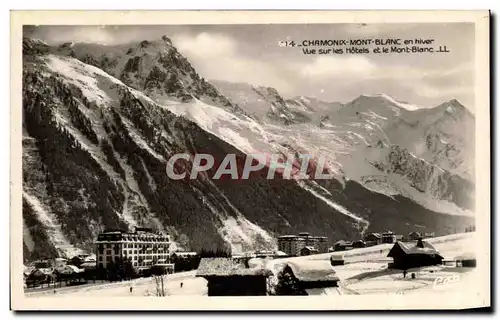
{"x": 250, "y": 160}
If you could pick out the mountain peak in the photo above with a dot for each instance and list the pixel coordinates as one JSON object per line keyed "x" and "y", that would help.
{"x": 387, "y": 98}
{"x": 454, "y": 107}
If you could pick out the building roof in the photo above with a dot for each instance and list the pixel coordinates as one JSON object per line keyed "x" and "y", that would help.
{"x": 88, "y": 264}
{"x": 343, "y": 243}
{"x": 185, "y": 253}
{"x": 90, "y": 258}
{"x": 327, "y": 291}
{"x": 41, "y": 271}
{"x": 68, "y": 269}
{"x": 374, "y": 234}
{"x": 280, "y": 254}
{"x": 310, "y": 248}
{"x": 424, "y": 248}
{"x": 227, "y": 267}
{"x": 313, "y": 270}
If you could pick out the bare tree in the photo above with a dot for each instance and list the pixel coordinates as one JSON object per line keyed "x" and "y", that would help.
{"x": 160, "y": 285}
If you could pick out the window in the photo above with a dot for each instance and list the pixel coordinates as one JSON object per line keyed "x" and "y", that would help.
{"x": 135, "y": 251}
{"x": 108, "y": 258}
{"x": 100, "y": 258}
{"x": 108, "y": 251}
{"x": 108, "y": 245}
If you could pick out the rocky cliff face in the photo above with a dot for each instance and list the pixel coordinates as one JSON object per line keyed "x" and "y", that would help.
{"x": 96, "y": 138}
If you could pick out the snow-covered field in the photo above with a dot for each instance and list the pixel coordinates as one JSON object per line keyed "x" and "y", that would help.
{"x": 140, "y": 287}
{"x": 365, "y": 272}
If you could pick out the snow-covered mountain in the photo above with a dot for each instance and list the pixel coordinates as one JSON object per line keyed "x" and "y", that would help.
{"x": 263, "y": 103}
{"x": 393, "y": 147}
{"x": 100, "y": 122}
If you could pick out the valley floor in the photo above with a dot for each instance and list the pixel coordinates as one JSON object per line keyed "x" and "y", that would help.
{"x": 365, "y": 272}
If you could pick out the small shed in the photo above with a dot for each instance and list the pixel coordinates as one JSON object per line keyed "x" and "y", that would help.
{"x": 306, "y": 277}
{"x": 337, "y": 260}
{"x": 421, "y": 255}
{"x": 228, "y": 277}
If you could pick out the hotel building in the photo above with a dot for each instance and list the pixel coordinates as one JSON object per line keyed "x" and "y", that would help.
{"x": 293, "y": 244}
{"x": 143, "y": 247}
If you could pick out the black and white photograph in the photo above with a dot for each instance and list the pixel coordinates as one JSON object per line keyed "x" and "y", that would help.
{"x": 322, "y": 160}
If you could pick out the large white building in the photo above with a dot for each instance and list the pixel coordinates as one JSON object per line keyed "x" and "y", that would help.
{"x": 292, "y": 244}
{"x": 143, "y": 247}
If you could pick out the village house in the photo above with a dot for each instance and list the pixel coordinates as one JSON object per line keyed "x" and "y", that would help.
{"x": 43, "y": 264}
{"x": 307, "y": 277}
{"x": 39, "y": 277}
{"x": 342, "y": 245}
{"x": 429, "y": 235}
{"x": 421, "y": 255}
{"x": 388, "y": 237}
{"x": 227, "y": 277}
{"x": 359, "y": 244}
{"x": 467, "y": 260}
{"x": 68, "y": 274}
{"x": 306, "y": 251}
{"x": 372, "y": 239}
{"x": 414, "y": 236}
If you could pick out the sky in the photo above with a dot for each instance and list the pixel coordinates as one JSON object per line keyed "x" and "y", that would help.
{"x": 252, "y": 54}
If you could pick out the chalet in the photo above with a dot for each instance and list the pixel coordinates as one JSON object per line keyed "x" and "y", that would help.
{"x": 306, "y": 251}
{"x": 342, "y": 245}
{"x": 78, "y": 260}
{"x": 40, "y": 276}
{"x": 307, "y": 277}
{"x": 227, "y": 277}
{"x": 373, "y": 238}
{"x": 359, "y": 244}
{"x": 388, "y": 237}
{"x": 420, "y": 255}
{"x": 414, "y": 236}
{"x": 69, "y": 274}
